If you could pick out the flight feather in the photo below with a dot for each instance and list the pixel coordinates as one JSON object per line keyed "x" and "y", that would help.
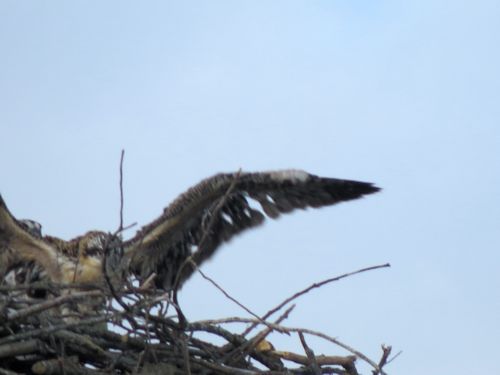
{"x": 218, "y": 208}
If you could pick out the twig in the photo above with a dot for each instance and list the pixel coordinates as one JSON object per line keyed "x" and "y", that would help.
{"x": 117, "y": 236}
{"x": 48, "y": 330}
{"x": 59, "y": 365}
{"x": 311, "y": 358}
{"x": 321, "y": 360}
{"x": 35, "y": 309}
{"x": 190, "y": 259}
{"x": 19, "y": 348}
{"x": 185, "y": 355}
{"x": 357, "y": 353}
{"x": 246, "y": 348}
{"x": 309, "y": 288}
{"x": 121, "y": 189}
{"x": 226, "y": 294}
{"x": 206, "y": 232}
{"x": 394, "y": 357}
{"x": 386, "y": 352}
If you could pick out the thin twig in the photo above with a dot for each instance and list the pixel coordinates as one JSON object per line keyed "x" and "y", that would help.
{"x": 309, "y": 288}
{"x": 20, "y": 348}
{"x": 337, "y": 342}
{"x": 394, "y": 357}
{"x": 189, "y": 260}
{"x": 206, "y": 232}
{"x": 226, "y": 294}
{"x": 58, "y": 301}
{"x": 117, "y": 237}
{"x": 185, "y": 355}
{"x": 321, "y": 360}
{"x": 48, "y": 330}
{"x": 311, "y": 358}
{"x": 386, "y": 352}
{"x": 250, "y": 345}
{"x": 121, "y": 190}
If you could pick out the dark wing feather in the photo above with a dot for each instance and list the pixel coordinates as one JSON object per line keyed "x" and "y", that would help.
{"x": 218, "y": 208}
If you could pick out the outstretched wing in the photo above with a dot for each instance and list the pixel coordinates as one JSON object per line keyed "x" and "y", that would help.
{"x": 218, "y": 208}
{"x": 20, "y": 243}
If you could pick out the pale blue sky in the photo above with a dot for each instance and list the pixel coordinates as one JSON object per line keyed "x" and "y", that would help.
{"x": 404, "y": 94}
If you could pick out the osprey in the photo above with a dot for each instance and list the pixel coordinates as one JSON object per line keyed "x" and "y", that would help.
{"x": 192, "y": 227}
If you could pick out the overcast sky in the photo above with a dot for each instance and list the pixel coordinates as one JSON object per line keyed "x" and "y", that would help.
{"x": 405, "y": 94}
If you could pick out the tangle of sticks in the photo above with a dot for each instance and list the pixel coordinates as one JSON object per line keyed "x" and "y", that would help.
{"x": 101, "y": 329}
{"x": 47, "y": 336}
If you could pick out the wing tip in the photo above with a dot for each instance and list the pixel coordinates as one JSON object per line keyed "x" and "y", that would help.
{"x": 363, "y": 188}
{"x": 345, "y": 190}
{"x": 371, "y": 188}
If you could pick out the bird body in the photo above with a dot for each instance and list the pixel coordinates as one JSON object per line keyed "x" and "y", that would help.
{"x": 192, "y": 227}
{"x": 81, "y": 257}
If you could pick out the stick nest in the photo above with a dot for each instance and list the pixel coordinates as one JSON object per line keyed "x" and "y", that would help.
{"x": 142, "y": 331}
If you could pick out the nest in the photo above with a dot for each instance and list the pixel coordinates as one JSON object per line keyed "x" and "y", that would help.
{"x": 135, "y": 329}
{"x": 139, "y": 330}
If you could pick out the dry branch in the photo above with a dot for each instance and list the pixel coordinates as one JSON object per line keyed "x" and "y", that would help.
{"x": 50, "y": 336}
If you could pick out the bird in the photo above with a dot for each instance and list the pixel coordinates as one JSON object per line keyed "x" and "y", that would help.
{"x": 188, "y": 232}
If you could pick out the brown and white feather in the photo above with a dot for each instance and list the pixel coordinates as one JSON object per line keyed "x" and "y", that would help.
{"x": 163, "y": 246}
{"x": 195, "y": 224}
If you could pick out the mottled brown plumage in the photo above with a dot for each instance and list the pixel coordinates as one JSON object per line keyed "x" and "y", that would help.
{"x": 196, "y": 223}
{"x": 163, "y": 245}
